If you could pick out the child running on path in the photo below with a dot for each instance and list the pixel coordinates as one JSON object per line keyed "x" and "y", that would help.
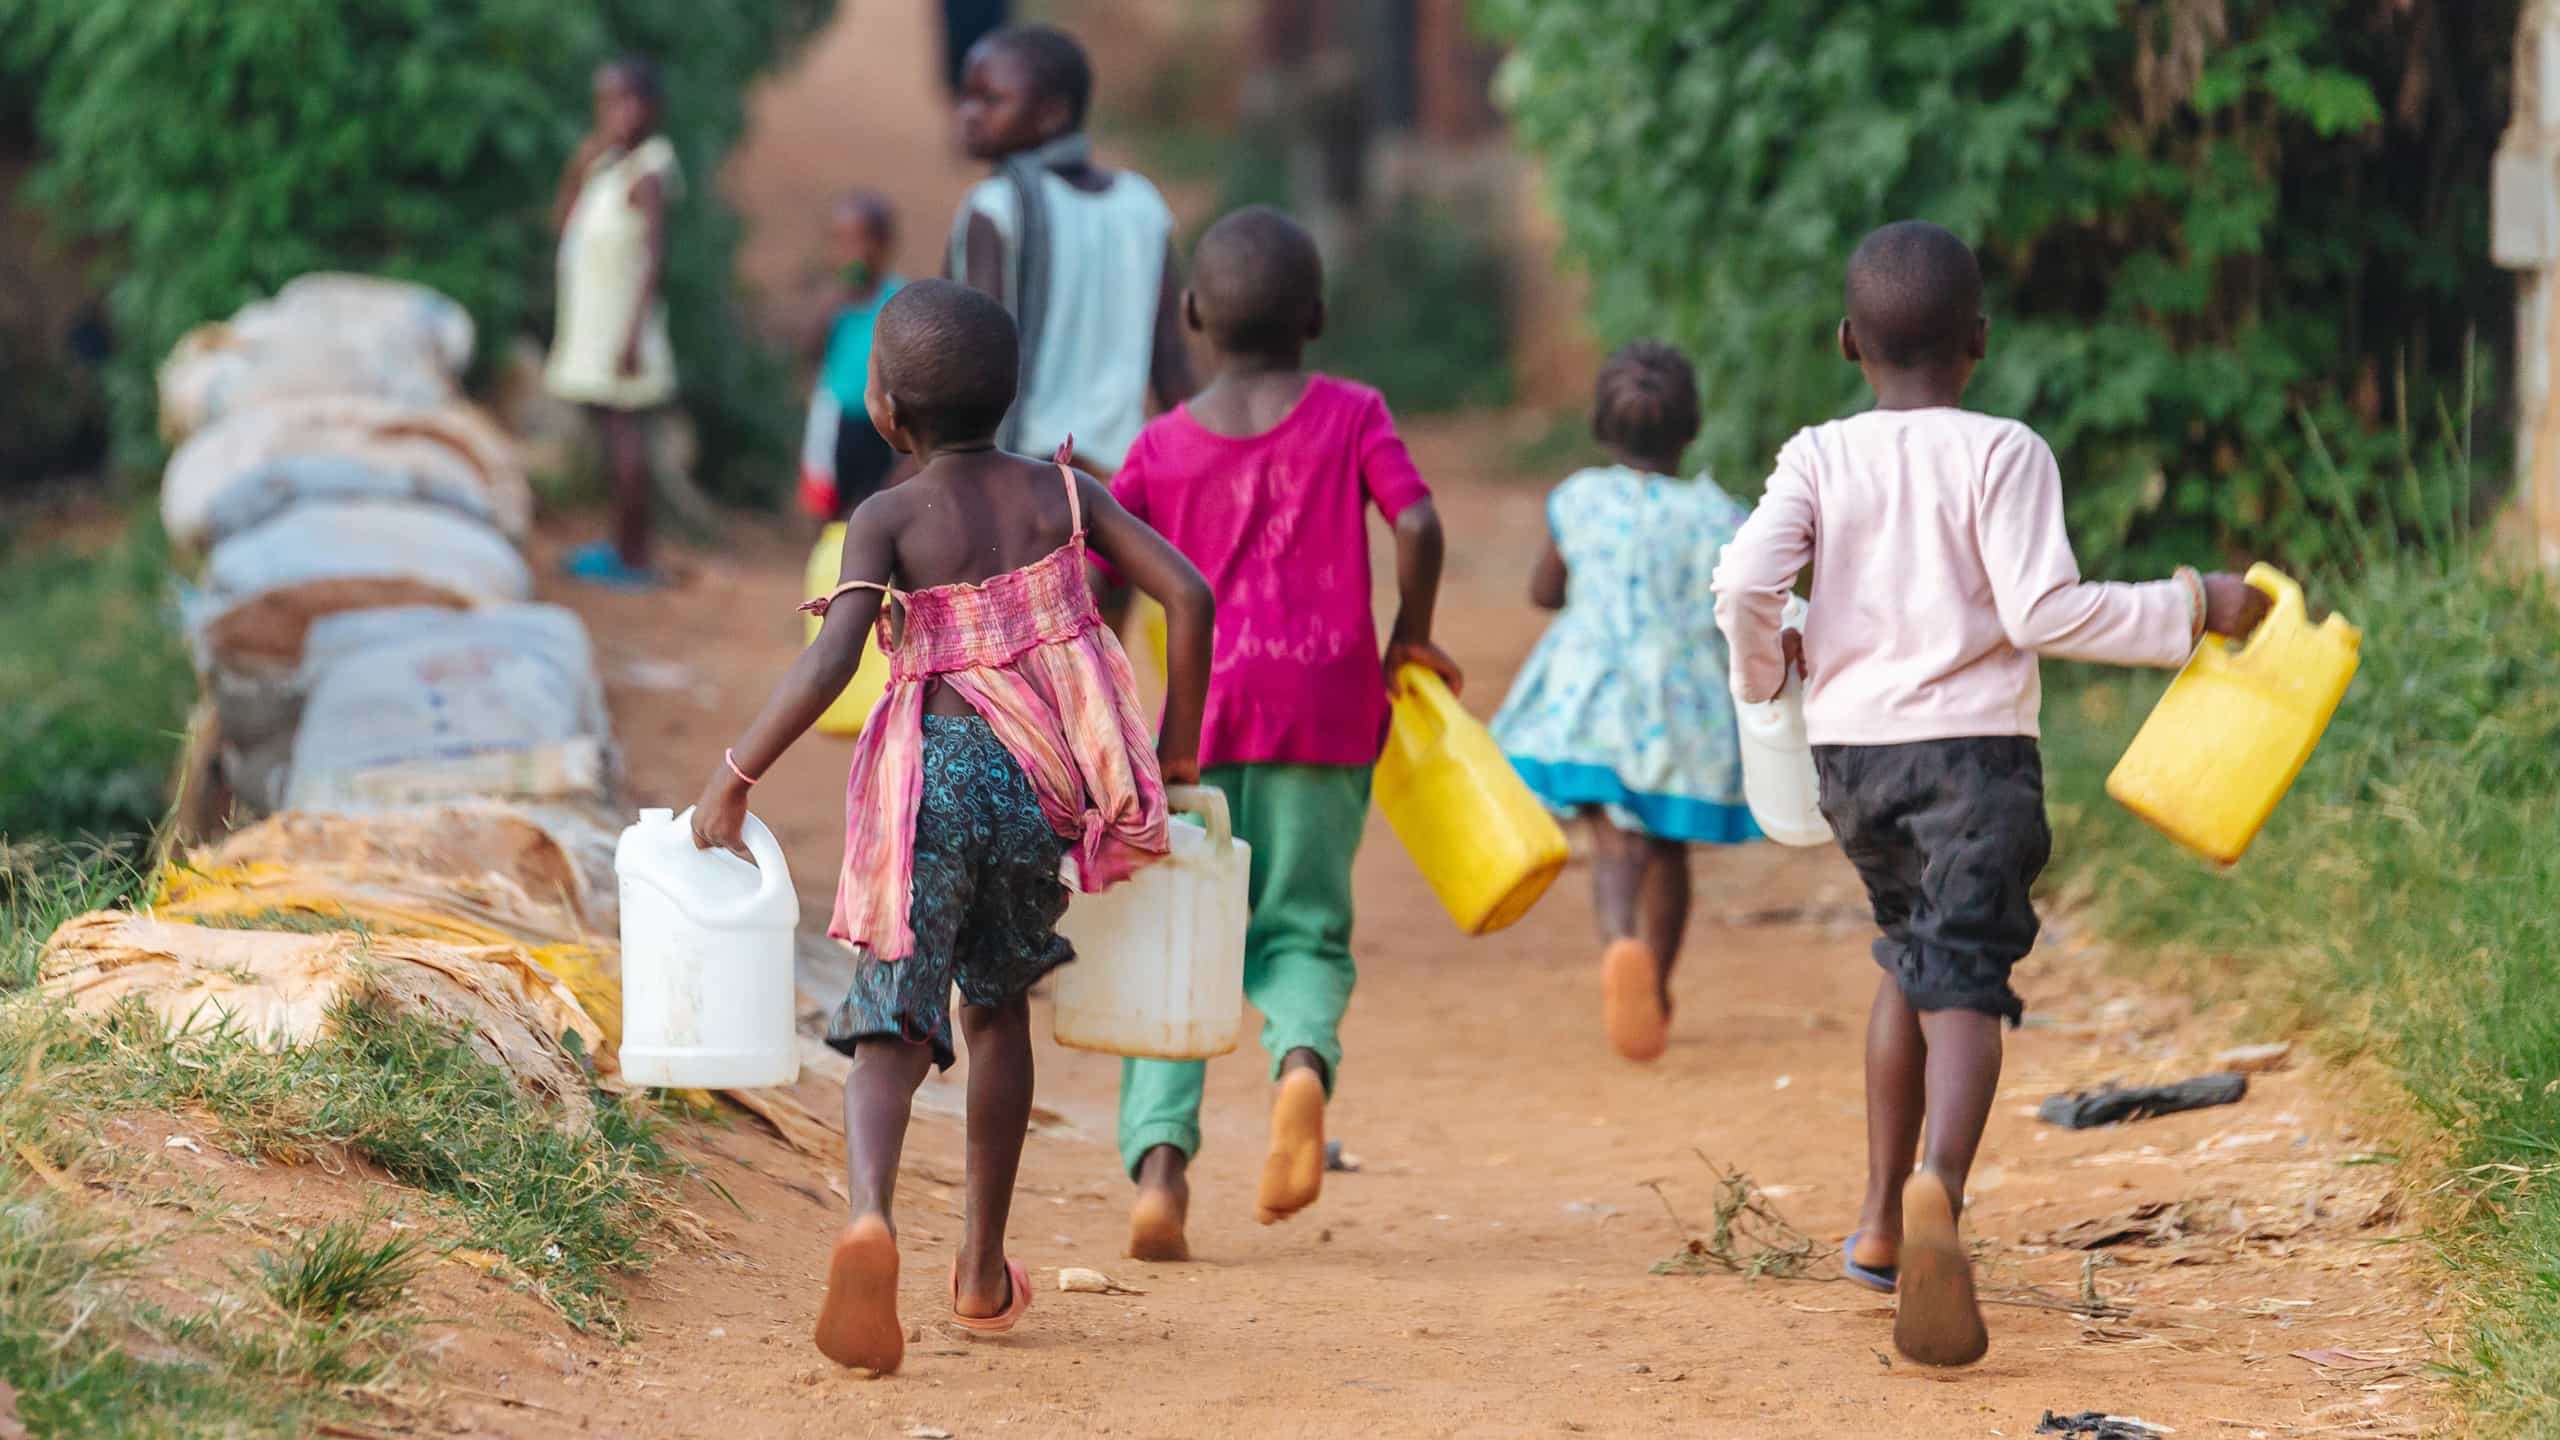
{"x": 1009, "y": 740}
{"x": 1264, "y": 480}
{"x": 1082, "y": 256}
{"x": 842, "y": 458}
{"x": 1623, "y": 713}
{"x": 1941, "y": 571}
{"x": 610, "y": 351}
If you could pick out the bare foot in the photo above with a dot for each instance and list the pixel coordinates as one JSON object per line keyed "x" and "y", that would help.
{"x": 1631, "y": 1000}
{"x": 858, "y": 1323}
{"x": 1293, "y": 1173}
{"x": 1156, "y": 1223}
{"x": 1935, "y": 1319}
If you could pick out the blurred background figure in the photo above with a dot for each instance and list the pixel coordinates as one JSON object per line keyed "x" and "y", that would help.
{"x": 611, "y": 353}
{"x": 843, "y": 460}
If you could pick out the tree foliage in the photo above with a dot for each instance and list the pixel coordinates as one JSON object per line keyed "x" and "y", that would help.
{"x": 2216, "y": 232}
{"x": 222, "y": 149}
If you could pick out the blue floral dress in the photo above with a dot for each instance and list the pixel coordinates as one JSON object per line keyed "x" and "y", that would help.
{"x": 1624, "y": 705}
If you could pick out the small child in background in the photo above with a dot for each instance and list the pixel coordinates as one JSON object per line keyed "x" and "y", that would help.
{"x": 1008, "y": 742}
{"x": 843, "y": 460}
{"x": 610, "y": 352}
{"x": 1264, "y": 480}
{"x": 1081, "y": 256}
{"x": 1941, "y": 571}
{"x": 1623, "y": 714}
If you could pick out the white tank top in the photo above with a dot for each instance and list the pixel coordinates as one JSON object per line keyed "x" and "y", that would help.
{"x": 1097, "y": 337}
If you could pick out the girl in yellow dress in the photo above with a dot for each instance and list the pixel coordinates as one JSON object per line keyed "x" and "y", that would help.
{"x": 609, "y": 353}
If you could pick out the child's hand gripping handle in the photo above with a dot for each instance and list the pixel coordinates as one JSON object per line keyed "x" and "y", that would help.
{"x": 772, "y": 871}
{"x": 1209, "y": 803}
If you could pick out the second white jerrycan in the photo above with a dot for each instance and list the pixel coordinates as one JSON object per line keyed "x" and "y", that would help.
{"x": 1777, "y": 760}
{"x": 1159, "y": 967}
{"x": 708, "y": 998}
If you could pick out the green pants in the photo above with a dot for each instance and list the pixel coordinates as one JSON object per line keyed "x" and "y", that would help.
{"x": 1304, "y": 824}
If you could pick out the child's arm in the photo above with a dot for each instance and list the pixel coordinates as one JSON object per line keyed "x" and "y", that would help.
{"x": 1190, "y": 612}
{"x": 649, "y": 193}
{"x": 2047, "y": 609}
{"x": 1420, "y": 546}
{"x": 982, "y": 259}
{"x": 1753, "y": 578}
{"x": 1171, "y": 375}
{"x": 571, "y": 179}
{"x": 1547, "y": 582}
{"x": 807, "y": 688}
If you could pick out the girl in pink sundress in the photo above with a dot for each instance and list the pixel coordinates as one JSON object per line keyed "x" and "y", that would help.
{"x": 1010, "y": 740}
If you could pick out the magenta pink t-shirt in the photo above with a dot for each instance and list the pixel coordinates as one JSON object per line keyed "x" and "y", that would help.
{"x": 1278, "y": 524}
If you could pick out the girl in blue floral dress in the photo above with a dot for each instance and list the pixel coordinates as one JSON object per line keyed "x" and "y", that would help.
{"x": 1622, "y": 714}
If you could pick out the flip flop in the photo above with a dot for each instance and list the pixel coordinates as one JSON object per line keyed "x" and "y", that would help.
{"x": 600, "y": 564}
{"x": 1017, "y": 1280}
{"x": 1879, "y": 1278}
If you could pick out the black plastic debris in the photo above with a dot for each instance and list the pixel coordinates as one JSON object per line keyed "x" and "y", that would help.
{"x": 2113, "y": 1105}
{"x": 2098, "y": 1425}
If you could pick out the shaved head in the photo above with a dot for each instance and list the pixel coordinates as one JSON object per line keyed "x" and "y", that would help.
{"x": 949, "y": 357}
{"x": 1914, "y": 296}
{"x": 1258, "y": 282}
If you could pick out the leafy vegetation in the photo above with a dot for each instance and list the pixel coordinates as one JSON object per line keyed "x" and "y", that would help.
{"x": 94, "y": 683}
{"x": 2404, "y": 902}
{"x": 223, "y": 149}
{"x": 2202, "y": 223}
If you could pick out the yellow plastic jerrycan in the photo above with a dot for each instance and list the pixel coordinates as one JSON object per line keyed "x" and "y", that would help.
{"x": 2237, "y": 724}
{"x": 1476, "y": 832}
{"x": 851, "y": 708}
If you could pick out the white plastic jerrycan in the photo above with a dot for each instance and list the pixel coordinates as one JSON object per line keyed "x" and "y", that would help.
{"x": 1777, "y": 761}
{"x": 1159, "y": 967}
{"x": 707, "y": 992}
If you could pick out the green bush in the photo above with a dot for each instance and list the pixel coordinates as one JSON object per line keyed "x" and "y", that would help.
{"x": 2200, "y": 223}
{"x": 224, "y": 149}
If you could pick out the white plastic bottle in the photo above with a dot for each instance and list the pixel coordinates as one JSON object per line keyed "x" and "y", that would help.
{"x": 1159, "y": 967}
{"x": 707, "y": 967}
{"x": 1777, "y": 760}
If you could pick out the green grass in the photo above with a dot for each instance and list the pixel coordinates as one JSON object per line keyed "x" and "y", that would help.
{"x": 94, "y": 682}
{"x": 336, "y": 1273}
{"x": 2404, "y": 904}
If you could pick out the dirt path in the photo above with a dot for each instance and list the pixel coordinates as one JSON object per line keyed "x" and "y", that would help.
{"x": 1487, "y": 1271}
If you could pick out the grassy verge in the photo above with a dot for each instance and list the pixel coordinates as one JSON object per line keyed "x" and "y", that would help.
{"x": 2404, "y": 904}
{"x": 94, "y": 683}
{"x": 314, "y": 1330}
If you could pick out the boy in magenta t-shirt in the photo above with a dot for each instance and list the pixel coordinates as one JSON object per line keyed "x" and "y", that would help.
{"x": 1264, "y": 480}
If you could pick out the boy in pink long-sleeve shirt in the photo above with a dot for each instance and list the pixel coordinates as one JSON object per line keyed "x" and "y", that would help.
{"x": 1941, "y": 571}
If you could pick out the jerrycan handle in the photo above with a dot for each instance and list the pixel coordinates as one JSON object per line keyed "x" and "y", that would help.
{"x": 2285, "y": 606}
{"x": 1210, "y": 804}
{"x": 772, "y": 871}
{"x": 1430, "y": 701}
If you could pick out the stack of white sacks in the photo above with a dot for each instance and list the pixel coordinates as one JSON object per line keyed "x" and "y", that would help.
{"x": 362, "y": 621}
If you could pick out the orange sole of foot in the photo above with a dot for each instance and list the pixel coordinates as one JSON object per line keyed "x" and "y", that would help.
{"x": 1936, "y": 1320}
{"x": 1293, "y": 1173}
{"x": 1631, "y": 1001}
{"x": 1156, "y": 1229}
{"x": 858, "y": 1322}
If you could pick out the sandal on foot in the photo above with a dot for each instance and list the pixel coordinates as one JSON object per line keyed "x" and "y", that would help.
{"x": 1879, "y": 1278}
{"x": 1017, "y": 1300}
{"x": 1936, "y": 1320}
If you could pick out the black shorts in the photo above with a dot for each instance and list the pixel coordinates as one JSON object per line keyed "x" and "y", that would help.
{"x": 1949, "y": 836}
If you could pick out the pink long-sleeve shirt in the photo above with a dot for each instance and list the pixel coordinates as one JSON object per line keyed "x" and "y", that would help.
{"x": 1941, "y": 570}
